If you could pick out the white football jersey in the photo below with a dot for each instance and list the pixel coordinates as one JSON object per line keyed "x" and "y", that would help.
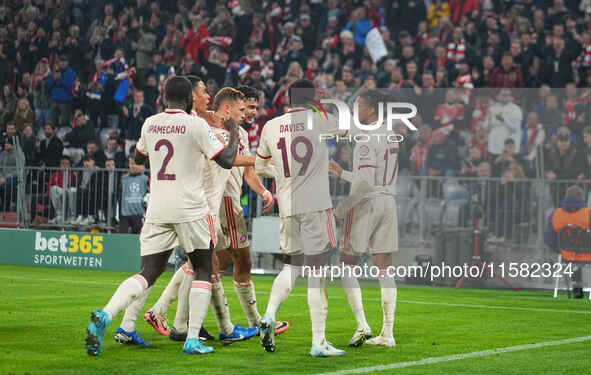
{"x": 376, "y": 163}
{"x": 177, "y": 144}
{"x": 234, "y": 184}
{"x": 300, "y": 160}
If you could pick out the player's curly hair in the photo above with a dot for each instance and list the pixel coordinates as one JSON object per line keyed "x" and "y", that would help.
{"x": 226, "y": 94}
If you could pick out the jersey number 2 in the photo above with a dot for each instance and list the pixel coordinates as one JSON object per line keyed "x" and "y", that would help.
{"x": 162, "y": 175}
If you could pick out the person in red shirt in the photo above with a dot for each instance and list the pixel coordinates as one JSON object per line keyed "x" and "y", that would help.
{"x": 195, "y": 42}
{"x": 58, "y": 191}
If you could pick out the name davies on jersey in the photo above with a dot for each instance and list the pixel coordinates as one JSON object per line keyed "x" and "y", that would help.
{"x": 69, "y": 250}
{"x": 297, "y": 127}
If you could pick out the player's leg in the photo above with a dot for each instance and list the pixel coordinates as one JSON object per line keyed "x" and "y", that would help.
{"x": 317, "y": 232}
{"x": 178, "y": 332}
{"x": 156, "y": 316}
{"x": 383, "y": 243}
{"x": 133, "y": 288}
{"x": 244, "y": 286}
{"x": 354, "y": 296}
{"x": 282, "y": 286}
{"x": 354, "y": 242}
{"x": 199, "y": 299}
{"x": 389, "y": 293}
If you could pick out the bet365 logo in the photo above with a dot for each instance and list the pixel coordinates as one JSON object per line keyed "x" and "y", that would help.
{"x": 69, "y": 243}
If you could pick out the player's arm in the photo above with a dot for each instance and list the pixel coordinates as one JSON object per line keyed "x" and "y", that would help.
{"x": 256, "y": 185}
{"x": 141, "y": 149}
{"x": 244, "y": 161}
{"x": 227, "y": 156}
{"x": 262, "y": 165}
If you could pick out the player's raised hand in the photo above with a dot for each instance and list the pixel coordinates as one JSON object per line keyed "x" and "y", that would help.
{"x": 229, "y": 124}
{"x": 269, "y": 202}
{"x": 334, "y": 168}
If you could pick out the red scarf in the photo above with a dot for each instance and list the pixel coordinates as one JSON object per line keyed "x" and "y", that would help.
{"x": 532, "y": 138}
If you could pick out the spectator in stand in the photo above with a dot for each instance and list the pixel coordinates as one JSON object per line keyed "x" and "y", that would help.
{"x": 24, "y": 115}
{"x": 359, "y": 25}
{"x": 586, "y": 145}
{"x": 470, "y": 164}
{"x": 558, "y": 63}
{"x": 93, "y": 150}
{"x": 60, "y": 84}
{"x": 134, "y": 187}
{"x": 552, "y": 115}
{"x": 509, "y": 155}
{"x": 145, "y": 47}
{"x": 113, "y": 151}
{"x": 419, "y": 152}
{"x": 49, "y": 150}
{"x": 507, "y": 75}
{"x": 29, "y": 141}
{"x": 442, "y": 159}
{"x": 8, "y": 174}
{"x": 533, "y": 139}
{"x": 82, "y": 132}
{"x": 504, "y": 121}
{"x": 195, "y": 40}
{"x": 41, "y": 97}
{"x": 564, "y": 162}
{"x": 133, "y": 118}
{"x": 437, "y": 10}
{"x": 87, "y": 193}
{"x": 59, "y": 191}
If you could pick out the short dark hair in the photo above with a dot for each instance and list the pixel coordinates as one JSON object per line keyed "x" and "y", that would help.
{"x": 65, "y": 157}
{"x": 178, "y": 89}
{"x": 87, "y": 158}
{"x": 509, "y": 141}
{"x": 49, "y": 123}
{"x": 301, "y": 91}
{"x": 194, "y": 81}
{"x": 249, "y": 92}
{"x": 372, "y": 98}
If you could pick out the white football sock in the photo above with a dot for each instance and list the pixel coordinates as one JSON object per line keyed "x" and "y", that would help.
{"x": 170, "y": 294}
{"x": 200, "y": 296}
{"x": 318, "y": 304}
{"x": 220, "y": 306}
{"x": 282, "y": 287}
{"x": 181, "y": 318}
{"x": 134, "y": 310}
{"x": 127, "y": 292}
{"x": 247, "y": 297}
{"x": 389, "y": 292}
{"x": 353, "y": 292}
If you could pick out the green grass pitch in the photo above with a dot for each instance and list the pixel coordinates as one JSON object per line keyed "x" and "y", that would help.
{"x": 44, "y": 313}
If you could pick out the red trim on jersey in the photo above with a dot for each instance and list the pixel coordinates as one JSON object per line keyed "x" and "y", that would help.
{"x": 187, "y": 270}
{"x": 263, "y": 157}
{"x": 217, "y": 153}
{"x": 201, "y": 284}
{"x": 141, "y": 153}
{"x": 331, "y": 236}
{"x": 348, "y": 224}
{"x": 209, "y": 220}
{"x": 367, "y": 166}
{"x": 230, "y": 222}
{"x": 174, "y": 111}
{"x": 143, "y": 282}
{"x": 297, "y": 109}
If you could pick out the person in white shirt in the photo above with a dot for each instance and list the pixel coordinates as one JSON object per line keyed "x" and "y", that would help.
{"x": 299, "y": 160}
{"x": 504, "y": 121}
{"x": 176, "y": 144}
{"x": 370, "y": 221}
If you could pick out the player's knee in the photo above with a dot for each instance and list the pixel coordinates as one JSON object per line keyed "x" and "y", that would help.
{"x": 153, "y": 266}
{"x": 202, "y": 263}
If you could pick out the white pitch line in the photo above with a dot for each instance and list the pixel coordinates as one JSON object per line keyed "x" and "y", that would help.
{"x": 455, "y": 357}
{"x": 447, "y": 304}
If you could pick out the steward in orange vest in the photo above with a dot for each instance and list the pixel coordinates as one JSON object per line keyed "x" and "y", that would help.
{"x": 572, "y": 211}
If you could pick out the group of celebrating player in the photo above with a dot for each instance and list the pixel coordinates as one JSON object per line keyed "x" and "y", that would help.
{"x": 198, "y": 161}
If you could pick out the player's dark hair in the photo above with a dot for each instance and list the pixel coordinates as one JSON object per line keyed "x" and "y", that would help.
{"x": 372, "y": 98}
{"x": 178, "y": 90}
{"x": 301, "y": 92}
{"x": 249, "y": 92}
{"x": 226, "y": 94}
{"x": 194, "y": 80}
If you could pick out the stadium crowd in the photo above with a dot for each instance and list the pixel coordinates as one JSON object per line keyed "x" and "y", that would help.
{"x": 80, "y": 77}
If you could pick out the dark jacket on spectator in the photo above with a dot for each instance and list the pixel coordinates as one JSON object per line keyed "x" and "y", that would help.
{"x": 132, "y": 126}
{"x": 442, "y": 157}
{"x": 80, "y": 135}
{"x": 50, "y": 152}
{"x": 567, "y": 166}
